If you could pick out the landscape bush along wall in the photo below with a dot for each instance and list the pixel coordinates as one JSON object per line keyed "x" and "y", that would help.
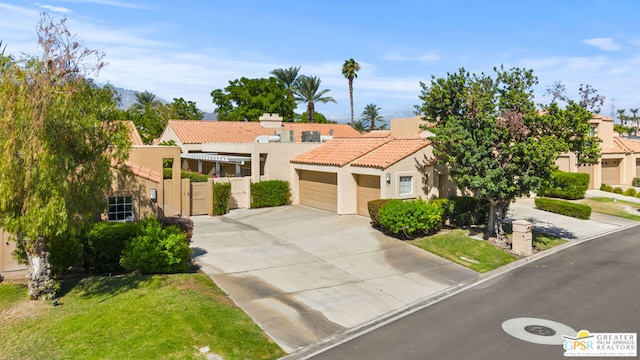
{"x": 566, "y": 185}
{"x": 636, "y": 182}
{"x": 621, "y": 191}
{"x": 104, "y": 244}
{"x": 184, "y": 224}
{"x": 221, "y": 195}
{"x": 562, "y": 207}
{"x": 373, "y": 207}
{"x": 413, "y": 217}
{"x": 468, "y": 210}
{"x": 157, "y": 249}
{"x": 194, "y": 176}
{"x": 270, "y": 193}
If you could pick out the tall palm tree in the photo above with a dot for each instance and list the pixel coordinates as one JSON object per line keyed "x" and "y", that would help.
{"x": 635, "y": 119}
{"x": 349, "y": 70}
{"x": 144, "y": 100}
{"x": 289, "y": 78}
{"x": 306, "y": 91}
{"x": 371, "y": 114}
{"x": 622, "y": 117}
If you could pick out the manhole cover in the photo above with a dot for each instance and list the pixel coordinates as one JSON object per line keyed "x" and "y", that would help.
{"x": 539, "y": 330}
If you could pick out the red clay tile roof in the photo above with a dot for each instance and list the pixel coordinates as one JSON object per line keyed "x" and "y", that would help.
{"x": 198, "y": 132}
{"x": 339, "y": 152}
{"x": 390, "y": 153}
{"x": 622, "y": 146}
{"x": 600, "y": 117}
{"x": 139, "y": 170}
{"x": 377, "y": 133}
{"x": 133, "y": 133}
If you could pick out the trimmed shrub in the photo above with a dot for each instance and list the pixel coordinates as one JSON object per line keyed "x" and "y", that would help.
{"x": 467, "y": 210}
{"x": 566, "y": 185}
{"x": 221, "y": 195}
{"x": 65, "y": 252}
{"x": 374, "y": 210}
{"x": 636, "y": 182}
{"x": 167, "y": 173}
{"x": 617, "y": 190}
{"x": 104, "y": 244}
{"x": 607, "y": 188}
{"x": 184, "y": 224}
{"x": 562, "y": 207}
{"x": 411, "y": 217}
{"x": 270, "y": 193}
{"x": 157, "y": 250}
{"x": 447, "y": 208}
{"x": 630, "y": 192}
{"x": 194, "y": 176}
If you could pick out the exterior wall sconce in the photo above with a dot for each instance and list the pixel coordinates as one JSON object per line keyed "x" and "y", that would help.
{"x": 388, "y": 175}
{"x": 153, "y": 195}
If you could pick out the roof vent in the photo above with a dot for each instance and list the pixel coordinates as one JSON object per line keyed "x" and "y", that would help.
{"x": 310, "y": 136}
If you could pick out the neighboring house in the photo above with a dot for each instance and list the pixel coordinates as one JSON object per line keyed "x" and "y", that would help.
{"x": 620, "y": 161}
{"x": 259, "y": 150}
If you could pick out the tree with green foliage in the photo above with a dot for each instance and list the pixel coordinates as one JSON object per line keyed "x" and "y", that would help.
{"x": 248, "y": 99}
{"x": 57, "y": 146}
{"x": 147, "y": 114}
{"x": 307, "y": 91}
{"x": 350, "y": 70}
{"x": 635, "y": 120}
{"x": 288, "y": 78}
{"x": 319, "y": 118}
{"x": 489, "y": 135}
{"x": 181, "y": 109}
{"x": 371, "y": 114}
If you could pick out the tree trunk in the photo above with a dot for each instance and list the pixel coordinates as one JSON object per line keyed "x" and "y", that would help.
{"x": 351, "y": 99}
{"x": 40, "y": 283}
{"x": 311, "y": 113}
{"x": 496, "y": 214}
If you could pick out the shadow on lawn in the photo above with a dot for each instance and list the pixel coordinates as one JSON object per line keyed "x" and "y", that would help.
{"x": 101, "y": 286}
{"x": 548, "y": 228}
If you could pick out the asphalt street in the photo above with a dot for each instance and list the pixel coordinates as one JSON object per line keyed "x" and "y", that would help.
{"x": 593, "y": 286}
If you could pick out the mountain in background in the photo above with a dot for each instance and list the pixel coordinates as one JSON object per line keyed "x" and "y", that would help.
{"x": 128, "y": 98}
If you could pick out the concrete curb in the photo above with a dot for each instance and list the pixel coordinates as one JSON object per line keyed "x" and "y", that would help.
{"x": 340, "y": 338}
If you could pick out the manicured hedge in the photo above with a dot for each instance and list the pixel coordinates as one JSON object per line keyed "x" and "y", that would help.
{"x": 409, "y": 218}
{"x": 630, "y": 192}
{"x": 104, "y": 244}
{"x": 194, "y": 176}
{"x": 562, "y": 207}
{"x": 221, "y": 195}
{"x": 566, "y": 185}
{"x": 270, "y": 193}
{"x": 374, "y": 210}
{"x": 636, "y": 182}
{"x": 467, "y": 210}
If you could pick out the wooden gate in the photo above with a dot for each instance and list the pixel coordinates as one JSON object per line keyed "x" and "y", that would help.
{"x": 199, "y": 203}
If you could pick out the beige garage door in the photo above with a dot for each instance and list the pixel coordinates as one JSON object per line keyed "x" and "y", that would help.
{"x": 587, "y": 169}
{"x": 368, "y": 189}
{"x": 611, "y": 171}
{"x": 319, "y": 190}
{"x": 637, "y": 167}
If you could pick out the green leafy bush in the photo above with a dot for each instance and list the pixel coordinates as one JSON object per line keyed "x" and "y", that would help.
{"x": 447, "y": 208}
{"x": 184, "y": 224}
{"x": 566, "y": 185}
{"x": 607, "y": 188}
{"x": 411, "y": 217}
{"x": 104, "y": 244}
{"x": 468, "y": 210}
{"x": 636, "y": 182}
{"x": 617, "y": 190}
{"x": 630, "y": 192}
{"x": 562, "y": 207}
{"x": 373, "y": 207}
{"x": 167, "y": 173}
{"x": 65, "y": 252}
{"x": 157, "y": 250}
{"x": 270, "y": 193}
{"x": 194, "y": 176}
{"x": 221, "y": 195}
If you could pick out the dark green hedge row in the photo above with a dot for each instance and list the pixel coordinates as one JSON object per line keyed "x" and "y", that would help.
{"x": 410, "y": 218}
{"x": 194, "y": 176}
{"x": 566, "y": 185}
{"x": 270, "y": 193}
{"x": 467, "y": 210}
{"x": 221, "y": 195}
{"x": 562, "y": 207}
{"x": 636, "y": 182}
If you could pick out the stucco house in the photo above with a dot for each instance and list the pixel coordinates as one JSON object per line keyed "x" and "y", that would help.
{"x": 620, "y": 161}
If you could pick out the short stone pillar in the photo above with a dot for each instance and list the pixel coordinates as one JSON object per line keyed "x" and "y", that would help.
{"x": 521, "y": 241}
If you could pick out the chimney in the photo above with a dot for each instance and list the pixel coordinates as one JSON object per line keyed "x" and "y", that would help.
{"x": 270, "y": 120}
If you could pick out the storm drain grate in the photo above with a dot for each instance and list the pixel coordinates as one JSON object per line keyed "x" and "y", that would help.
{"x": 539, "y": 330}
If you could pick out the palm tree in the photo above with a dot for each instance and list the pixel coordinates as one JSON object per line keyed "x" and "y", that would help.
{"x": 371, "y": 114}
{"x": 635, "y": 119}
{"x": 144, "y": 100}
{"x": 349, "y": 70}
{"x": 621, "y": 116}
{"x": 289, "y": 78}
{"x": 306, "y": 90}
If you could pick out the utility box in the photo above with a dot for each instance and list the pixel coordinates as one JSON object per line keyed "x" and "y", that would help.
{"x": 522, "y": 240}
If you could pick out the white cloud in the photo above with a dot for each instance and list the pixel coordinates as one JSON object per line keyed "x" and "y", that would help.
{"x": 606, "y": 44}
{"x": 426, "y": 57}
{"x": 58, "y": 9}
{"x": 121, "y": 4}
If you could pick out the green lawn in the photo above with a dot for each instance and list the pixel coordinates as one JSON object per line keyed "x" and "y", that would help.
{"x": 130, "y": 317}
{"x": 456, "y": 246}
{"x": 605, "y": 205}
{"x": 543, "y": 241}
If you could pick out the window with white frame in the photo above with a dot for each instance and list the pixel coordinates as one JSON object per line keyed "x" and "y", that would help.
{"x": 406, "y": 185}
{"x": 120, "y": 208}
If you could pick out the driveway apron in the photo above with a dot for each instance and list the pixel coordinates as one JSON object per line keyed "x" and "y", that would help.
{"x": 305, "y": 274}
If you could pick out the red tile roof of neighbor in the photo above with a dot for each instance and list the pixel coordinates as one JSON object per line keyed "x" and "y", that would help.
{"x": 364, "y": 152}
{"x": 197, "y": 132}
{"x": 622, "y": 146}
{"x": 138, "y": 170}
{"x": 133, "y": 133}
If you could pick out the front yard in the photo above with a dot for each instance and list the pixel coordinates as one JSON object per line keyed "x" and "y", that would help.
{"x": 130, "y": 317}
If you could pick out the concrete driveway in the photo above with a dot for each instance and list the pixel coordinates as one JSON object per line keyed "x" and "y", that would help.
{"x": 304, "y": 274}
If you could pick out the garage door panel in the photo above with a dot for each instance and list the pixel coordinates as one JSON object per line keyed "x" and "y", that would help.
{"x": 368, "y": 189}
{"x": 319, "y": 190}
{"x": 611, "y": 171}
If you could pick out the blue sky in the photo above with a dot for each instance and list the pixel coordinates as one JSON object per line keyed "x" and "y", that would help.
{"x": 189, "y": 48}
